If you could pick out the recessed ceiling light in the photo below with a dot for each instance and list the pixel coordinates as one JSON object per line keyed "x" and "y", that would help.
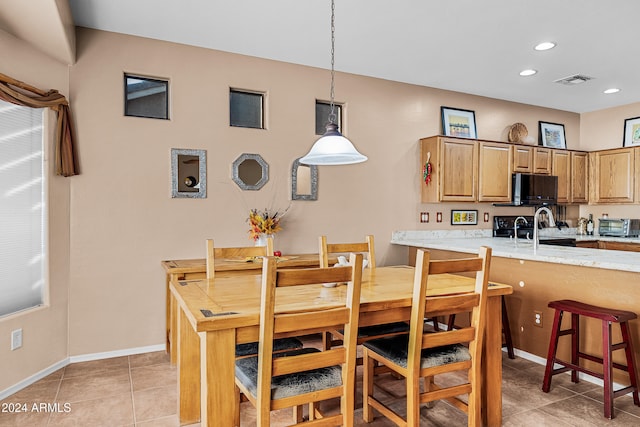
{"x": 612, "y": 90}
{"x": 528, "y": 72}
{"x": 545, "y": 46}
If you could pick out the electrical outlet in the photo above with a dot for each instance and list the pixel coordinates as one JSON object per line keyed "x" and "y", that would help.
{"x": 537, "y": 319}
{"x": 16, "y": 339}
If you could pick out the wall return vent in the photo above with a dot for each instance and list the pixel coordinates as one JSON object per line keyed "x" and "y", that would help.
{"x": 573, "y": 80}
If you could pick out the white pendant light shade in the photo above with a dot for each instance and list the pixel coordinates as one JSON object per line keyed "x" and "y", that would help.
{"x": 332, "y": 149}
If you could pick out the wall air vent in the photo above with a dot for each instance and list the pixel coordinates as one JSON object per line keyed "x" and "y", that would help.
{"x": 573, "y": 80}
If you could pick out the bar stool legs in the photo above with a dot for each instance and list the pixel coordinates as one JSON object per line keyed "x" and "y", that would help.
{"x": 607, "y": 316}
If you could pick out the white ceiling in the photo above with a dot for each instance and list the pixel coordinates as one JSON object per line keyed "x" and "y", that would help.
{"x": 471, "y": 46}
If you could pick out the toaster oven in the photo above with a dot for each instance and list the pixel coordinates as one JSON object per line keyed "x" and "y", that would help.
{"x": 619, "y": 227}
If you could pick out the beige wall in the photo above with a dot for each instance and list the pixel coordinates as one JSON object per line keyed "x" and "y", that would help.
{"x": 44, "y": 329}
{"x": 122, "y": 220}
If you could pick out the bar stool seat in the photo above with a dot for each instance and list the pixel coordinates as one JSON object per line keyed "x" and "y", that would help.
{"x": 608, "y": 317}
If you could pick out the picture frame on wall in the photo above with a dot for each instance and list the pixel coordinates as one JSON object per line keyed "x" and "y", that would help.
{"x": 631, "y": 132}
{"x": 464, "y": 217}
{"x": 552, "y": 135}
{"x": 458, "y": 123}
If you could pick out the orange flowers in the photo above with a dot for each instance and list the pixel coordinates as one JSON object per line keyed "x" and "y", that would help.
{"x": 263, "y": 223}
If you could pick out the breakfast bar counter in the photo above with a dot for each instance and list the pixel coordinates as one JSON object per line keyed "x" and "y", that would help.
{"x": 608, "y": 278}
{"x": 469, "y": 242}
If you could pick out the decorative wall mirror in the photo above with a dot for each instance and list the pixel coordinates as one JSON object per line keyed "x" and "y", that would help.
{"x": 304, "y": 181}
{"x": 188, "y": 173}
{"x": 250, "y": 171}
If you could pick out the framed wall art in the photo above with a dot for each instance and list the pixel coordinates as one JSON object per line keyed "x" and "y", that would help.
{"x": 458, "y": 123}
{"x": 466, "y": 217}
{"x": 631, "y": 132}
{"x": 552, "y": 135}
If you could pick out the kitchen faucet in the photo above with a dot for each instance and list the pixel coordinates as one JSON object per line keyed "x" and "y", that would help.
{"x": 552, "y": 223}
{"x": 515, "y": 228}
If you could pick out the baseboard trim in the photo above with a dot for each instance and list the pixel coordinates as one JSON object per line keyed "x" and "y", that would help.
{"x": 75, "y": 359}
{"x": 117, "y": 353}
{"x": 33, "y": 378}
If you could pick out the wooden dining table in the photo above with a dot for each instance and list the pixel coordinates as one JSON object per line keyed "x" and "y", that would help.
{"x": 188, "y": 269}
{"x": 213, "y": 315}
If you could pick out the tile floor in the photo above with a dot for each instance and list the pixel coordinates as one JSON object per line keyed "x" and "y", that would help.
{"x": 140, "y": 390}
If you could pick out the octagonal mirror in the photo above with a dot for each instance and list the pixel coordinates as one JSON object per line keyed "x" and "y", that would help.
{"x": 250, "y": 171}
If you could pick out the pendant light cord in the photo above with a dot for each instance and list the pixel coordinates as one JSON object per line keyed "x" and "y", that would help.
{"x": 332, "y": 114}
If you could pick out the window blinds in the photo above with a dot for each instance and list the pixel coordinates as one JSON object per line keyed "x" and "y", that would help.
{"x": 22, "y": 208}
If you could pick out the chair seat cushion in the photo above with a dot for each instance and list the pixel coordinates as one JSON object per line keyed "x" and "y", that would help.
{"x": 280, "y": 344}
{"x": 291, "y": 384}
{"x": 396, "y": 348}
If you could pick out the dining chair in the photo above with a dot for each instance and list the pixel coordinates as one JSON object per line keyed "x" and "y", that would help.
{"x": 430, "y": 354}
{"x": 251, "y": 348}
{"x": 294, "y": 378}
{"x": 365, "y": 333}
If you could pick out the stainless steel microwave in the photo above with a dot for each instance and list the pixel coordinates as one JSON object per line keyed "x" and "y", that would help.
{"x": 619, "y": 227}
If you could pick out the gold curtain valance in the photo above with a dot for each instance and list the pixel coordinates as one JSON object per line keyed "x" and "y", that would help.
{"x": 29, "y": 96}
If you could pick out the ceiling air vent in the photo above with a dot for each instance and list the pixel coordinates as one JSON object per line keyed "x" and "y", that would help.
{"x": 573, "y": 80}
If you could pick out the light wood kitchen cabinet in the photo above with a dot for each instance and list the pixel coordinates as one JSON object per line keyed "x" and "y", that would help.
{"x": 613, "y": 176}
{"x": 571, "y": 169}
{"x": 579, "y": 177}
{"x": 532, "y": 159}
{"x": 593, "y": 244}
{"x": 494, "y": 182}
{"x": 454, "y": 169}
{"x": 561, "y": 167}
{"x": 523, "y": 159}
{"x": 542, "y": 161}
{"x": 637, "y": 174}
{"x": 619, "y": 246}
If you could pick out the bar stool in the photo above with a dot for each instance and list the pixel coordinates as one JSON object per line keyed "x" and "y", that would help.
{"x": 607, "y": 316}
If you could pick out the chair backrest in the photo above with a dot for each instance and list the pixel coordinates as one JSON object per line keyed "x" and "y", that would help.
{"x": 474, "y": 302}
{"x": 367, "y": 247}
{"x": 239, "y": 252}
{"x": 344, "y": 316}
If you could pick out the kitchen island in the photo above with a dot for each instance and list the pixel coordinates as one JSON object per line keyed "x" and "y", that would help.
{"x": 608, "y": 278}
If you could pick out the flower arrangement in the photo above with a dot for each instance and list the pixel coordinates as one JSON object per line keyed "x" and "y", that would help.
{"x": 263, "y": 223}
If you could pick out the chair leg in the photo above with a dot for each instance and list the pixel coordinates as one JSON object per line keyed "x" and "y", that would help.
{"x": 607, "y": 366}
{"x": 631, "y": 362}
{"x": 413, "y": 399}
{"x": 367, "y": 386}
{"x": 326, "y": 341}
{"x": 575, "y": 345}
{"x": 551, "y": 355}
{"x": 236, "y": 412}
{"x": 506, "y": 330}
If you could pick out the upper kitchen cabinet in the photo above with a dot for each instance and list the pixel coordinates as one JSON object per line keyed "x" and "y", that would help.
{"x": 542, "y": 161}
{"x": 531, "y": 159}
{"x": 579, "y": 177}
{"x": 495, "y": 168}
{"x": 637, "y": 174}
{"x": 561, "y": 167}
{"x": 571, "y": 169}
{"x": 522, "y": 159}
{"x": 453, "y": 169}
{"x": 613, "y": 176}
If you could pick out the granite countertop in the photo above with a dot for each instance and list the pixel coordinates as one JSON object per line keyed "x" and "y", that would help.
{"x": 469, "y": 241}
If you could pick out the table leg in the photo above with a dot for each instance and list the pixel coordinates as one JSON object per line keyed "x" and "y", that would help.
{"x": 492, "y": 366}
{"x": 172, "y": 321}
{"x": 188, "y": 371}
{"x": 218, "y": 377}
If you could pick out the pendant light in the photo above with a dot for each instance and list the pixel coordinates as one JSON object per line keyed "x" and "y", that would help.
{"x": 332, "y": 148}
